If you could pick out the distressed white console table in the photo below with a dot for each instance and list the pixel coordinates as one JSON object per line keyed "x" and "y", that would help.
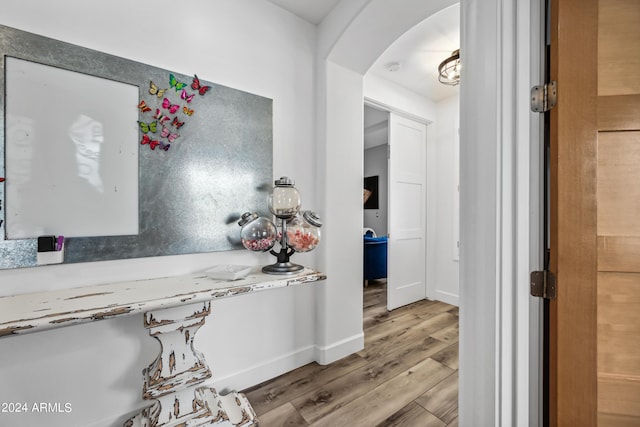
{"x": 174, "y": 308}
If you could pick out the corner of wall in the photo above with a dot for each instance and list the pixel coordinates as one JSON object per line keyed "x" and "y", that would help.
{"x": 329, "y": 354}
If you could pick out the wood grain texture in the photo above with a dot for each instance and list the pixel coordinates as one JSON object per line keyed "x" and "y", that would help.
{"x": 442, "y": 399}
{"x": 619, "y": 325}
{"x": 618, "y": 201}
{"x": 303, "y": 380}
{"x": 387, "y": 398}
{"x": 617, "y": 113}
{"x": 413, "y": 415}
{"x": 573, "y": 327}
{"x": 618, "y": 178}
{"x": 385, "y": 367}
{"x": 619, "y": 395}
{"x": 283, "y": 416}
{"x": 448, "y": 356}
{"x": 614, "y": 420}
{"x": 396, "y": 343}
{"x": 619, "y": 253}
{"x": 618, "y": 47}
{"x": 573, "y": 357}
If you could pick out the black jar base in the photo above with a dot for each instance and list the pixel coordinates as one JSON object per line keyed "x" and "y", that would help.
{"x": 282, "y": 268}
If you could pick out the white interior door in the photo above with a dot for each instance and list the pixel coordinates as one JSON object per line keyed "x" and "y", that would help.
{"x": 406, "y": 245}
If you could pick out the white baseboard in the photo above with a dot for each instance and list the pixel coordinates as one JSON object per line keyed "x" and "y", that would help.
{"x": 266, "y": 370}
{"x": 340, "y": 349}
{"x": 263, "y": 371}
{"x": 448, "y": 297}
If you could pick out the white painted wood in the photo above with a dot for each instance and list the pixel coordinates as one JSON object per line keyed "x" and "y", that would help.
{"x": 171, "y": 381}
{"x": 406, "y": 245}
{"x": 39, "y": 311}
{"x": 174, "y": 309}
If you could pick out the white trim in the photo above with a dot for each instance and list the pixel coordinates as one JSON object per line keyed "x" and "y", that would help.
{"x": 530, "y": 17}
{"x": 330, "y": 353}
{"x": 505, "y": 218}
{"x": 263, "y": 371}
{"x": 430, "y": 193}
{"x": 455, "y": 240}
{"x": 448, "y": 297}
{"x": 518, "y": 320}
{"x": 390, "y": 108}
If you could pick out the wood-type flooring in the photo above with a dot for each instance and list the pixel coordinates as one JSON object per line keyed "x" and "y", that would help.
{"x": 407, "y": 374}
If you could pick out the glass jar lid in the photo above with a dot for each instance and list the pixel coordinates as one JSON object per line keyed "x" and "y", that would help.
{"x": 247, "y": 217}
{"x": 312, "y": 218}
{"x": 284, "y": 182}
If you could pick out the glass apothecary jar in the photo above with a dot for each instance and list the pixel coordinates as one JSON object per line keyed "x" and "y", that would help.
{"x": 303, "y": 232}
{"x": 257, "y": 233}
{"x": 284, "y": 200}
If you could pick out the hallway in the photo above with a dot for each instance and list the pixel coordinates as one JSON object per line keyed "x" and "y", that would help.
{"x": 407, "y": 374}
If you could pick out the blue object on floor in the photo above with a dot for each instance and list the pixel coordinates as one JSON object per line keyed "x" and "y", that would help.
{"x": 375, "y": 257}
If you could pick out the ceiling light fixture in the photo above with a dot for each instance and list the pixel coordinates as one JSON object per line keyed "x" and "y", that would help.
{"x": 449, "y": 69}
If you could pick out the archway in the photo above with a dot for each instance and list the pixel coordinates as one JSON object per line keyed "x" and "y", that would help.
{"x": 499, "y": 323}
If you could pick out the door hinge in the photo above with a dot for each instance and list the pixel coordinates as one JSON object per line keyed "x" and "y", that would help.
{"x": 544, "y": 97}
{"x": 543, "y": 284}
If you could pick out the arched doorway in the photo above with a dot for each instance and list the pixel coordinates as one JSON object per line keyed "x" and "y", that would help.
{"x": 499, "y": 323}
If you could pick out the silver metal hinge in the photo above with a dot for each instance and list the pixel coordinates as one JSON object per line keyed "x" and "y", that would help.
{"x": 543, "y": 284}
{"x": 544, "y": 97}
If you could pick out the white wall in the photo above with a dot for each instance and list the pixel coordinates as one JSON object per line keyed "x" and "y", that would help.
{"x": 447, "y": 265}
{"x": 340, "y": 163}
{"x": 246, "y": 44}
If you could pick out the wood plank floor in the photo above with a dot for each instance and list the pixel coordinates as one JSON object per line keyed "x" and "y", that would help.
{"x": 407, "y": 374}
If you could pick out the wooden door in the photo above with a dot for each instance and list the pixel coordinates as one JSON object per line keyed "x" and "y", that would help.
{"x": 595, "y": 214}
{"x": 406, "y": 275}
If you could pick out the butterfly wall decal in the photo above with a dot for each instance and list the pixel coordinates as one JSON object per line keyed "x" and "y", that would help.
{"x": 143, "y": 107}
{"x": 161, "y": 117}
{"x": 185, "y": 95}
{"x": 151, "y": 142}
{"x": 177, "y": 124}
{"x": 166, "y": 133}
{"x": 164, "y": 146}
{"x": 148, "y": 127}
{"x": 195, "y": 85}
{"x": 187, "y": 111}
{"x": 154, "y": 90}
{"x": 171, "y": 107}
{"x": 174, "y": 83}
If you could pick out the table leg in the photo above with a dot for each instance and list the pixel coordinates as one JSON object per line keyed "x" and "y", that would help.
{"x": 172, "y": 380}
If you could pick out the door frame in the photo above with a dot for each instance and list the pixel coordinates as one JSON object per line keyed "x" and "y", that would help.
{"x": 430, "y": 156}
{"x": 512, "y": 135}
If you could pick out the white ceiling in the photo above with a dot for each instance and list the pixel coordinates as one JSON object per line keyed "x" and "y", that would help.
{"x": 418, "y": 51}
{"x": 313, "y": 11}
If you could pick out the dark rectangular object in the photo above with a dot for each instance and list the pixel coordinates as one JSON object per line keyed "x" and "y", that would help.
{"x": 371, "y": 184}
{"x": 46, "y": 243}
